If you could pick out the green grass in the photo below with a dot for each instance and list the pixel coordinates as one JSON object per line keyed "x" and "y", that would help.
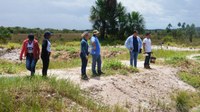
{"x": 113, "y": 67}
{"x": 45, "y": 94}
{"x": 191, "y": 79}
{"x": 186, "y": 100}
{"x": 11, "y": 46}
{"x": 10, "y": 68}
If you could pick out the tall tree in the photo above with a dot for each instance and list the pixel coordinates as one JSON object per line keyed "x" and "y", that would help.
{"x": 135, "y": 22}
{"x": 183, "y": 25}
{"x": 179, "y": 24}
{"x": 99, "y": 16}
{"x": 191, "y": 31}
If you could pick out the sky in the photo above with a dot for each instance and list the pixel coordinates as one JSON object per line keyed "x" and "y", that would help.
{"x": 74, "y": 14}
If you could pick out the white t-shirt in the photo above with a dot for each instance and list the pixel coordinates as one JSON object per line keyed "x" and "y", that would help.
{"x": 30, "y": 47}
{"x": 49, "y": 46}
{"x": 147, "y": 44}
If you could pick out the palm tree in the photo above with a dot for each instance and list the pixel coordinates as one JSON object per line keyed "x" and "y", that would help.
{"x": 135, "y": 22}
{"x": 183, "y": 25}
{"x": 179, "y": 24}
{"x": 99, "y": 16}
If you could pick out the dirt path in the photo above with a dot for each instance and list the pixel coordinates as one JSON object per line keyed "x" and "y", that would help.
{"x": 142, "y": 89}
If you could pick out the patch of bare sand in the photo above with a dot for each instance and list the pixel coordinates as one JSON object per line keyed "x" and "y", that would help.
{"x": 143, "y": 89}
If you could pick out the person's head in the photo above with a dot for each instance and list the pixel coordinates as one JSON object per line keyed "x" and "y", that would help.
{"x": 135, "y": 33}
{"x": 148, "y": 35}
{"x": 86, "y": 35}
{"x": 47, "y": 35}
{"x": 31, "y": 37}
{"x": 96, "y": 32}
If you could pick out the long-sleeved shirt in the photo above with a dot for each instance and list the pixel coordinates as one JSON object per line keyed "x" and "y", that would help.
{"x": 129, "y": 43}
{"x": 84, "y": 47}
{"x": 36, "y": 49}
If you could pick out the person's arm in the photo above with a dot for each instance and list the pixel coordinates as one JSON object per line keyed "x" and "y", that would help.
{"x": 93, "y": 43}
{"x": 83, "y": 49}
{"x": 22, "y": 51}
{"x": 38, "y": 51}
{"x": 127, "y": 44}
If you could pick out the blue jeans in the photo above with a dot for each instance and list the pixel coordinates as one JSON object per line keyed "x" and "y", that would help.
{"x": 133, "y": 57}
{"x": 30, "y": 64}
{"x": 96, "y": 59}
{"x": 84, "y": 64}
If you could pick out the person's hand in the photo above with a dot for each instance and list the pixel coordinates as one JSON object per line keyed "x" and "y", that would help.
{"x": 87, "y": 57}
{"x": 20, "y": 58}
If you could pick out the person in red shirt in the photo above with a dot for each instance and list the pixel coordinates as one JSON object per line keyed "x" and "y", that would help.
{"x": 30, "y": 50}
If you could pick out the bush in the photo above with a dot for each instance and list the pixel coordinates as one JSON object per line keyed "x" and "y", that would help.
{"x": 113, "y": 64}
{"x": 182, "y": 102}
{"x": 167, "y": 39}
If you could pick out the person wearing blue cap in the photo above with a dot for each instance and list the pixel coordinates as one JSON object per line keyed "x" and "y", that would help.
{"x": 46, "y": 52}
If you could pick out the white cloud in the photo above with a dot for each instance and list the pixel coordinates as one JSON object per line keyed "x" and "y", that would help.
{"x": 74, "y": 14}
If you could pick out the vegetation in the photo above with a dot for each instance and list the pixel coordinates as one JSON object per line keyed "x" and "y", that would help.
{"x": 41, "y": 94}
{"x": 186, "y": 101}
{"x": 109, "y": 16}
{"x": 113, "y": 67}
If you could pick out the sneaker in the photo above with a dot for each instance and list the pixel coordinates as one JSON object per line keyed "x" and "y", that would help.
{"x": 100, "y": 73}
{"x": 94, "y": 74}
{"x": 84, "y": 77}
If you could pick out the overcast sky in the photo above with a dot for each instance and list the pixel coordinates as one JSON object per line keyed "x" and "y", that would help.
{"x": 74, "y": 14}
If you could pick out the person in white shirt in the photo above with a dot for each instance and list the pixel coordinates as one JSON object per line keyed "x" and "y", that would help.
{"x": 147, "y": 50}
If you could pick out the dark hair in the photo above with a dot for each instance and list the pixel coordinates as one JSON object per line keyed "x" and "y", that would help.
{"x": 147, "y": 34}
{"x": 31, "y": 36}
{"x": 135, "y": 31}
{"x": 47, "y": 33}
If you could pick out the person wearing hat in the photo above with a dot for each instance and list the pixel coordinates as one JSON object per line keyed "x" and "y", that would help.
{"x": 96, "y": 54}
{"x": 147, "y": 50}
{"x": 84, "y": 54}
{"x": 134, "y": 45}
{"x": 46, "y": 52}
{"x": 31, "y": 50}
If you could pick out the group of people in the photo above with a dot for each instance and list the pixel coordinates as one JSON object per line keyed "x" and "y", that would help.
{"x": 31, "y": 50}
{"x": 134, "y": 44}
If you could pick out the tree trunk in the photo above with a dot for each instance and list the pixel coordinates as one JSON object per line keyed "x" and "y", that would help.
{"x": 103, "y": 30}
{"x": 191, "y": 38}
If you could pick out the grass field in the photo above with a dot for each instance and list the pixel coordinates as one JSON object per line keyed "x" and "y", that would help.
{"x": 46, "y": 94}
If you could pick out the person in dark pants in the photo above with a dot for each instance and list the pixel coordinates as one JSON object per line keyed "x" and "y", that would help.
{"x": 147, "y": 50}
{"x": 46, "y": 52}
{"x": 84, "y": 54}
{"x": 31, "y": 51}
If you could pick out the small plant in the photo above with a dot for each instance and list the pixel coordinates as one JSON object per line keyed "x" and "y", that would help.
{"x": 112, "y": 64}
{"x": 182, "y": 102}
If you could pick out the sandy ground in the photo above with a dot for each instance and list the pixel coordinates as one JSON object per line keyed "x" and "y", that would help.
{"x": 144, "y": 89}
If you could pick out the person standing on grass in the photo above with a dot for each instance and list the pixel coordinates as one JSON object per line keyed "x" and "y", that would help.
{"x": 84, "y": 54}
{"x": 46, "y": 52}
{"x": 134, "y": 45}
{"x": 96, "y": 54}
{"x": 31, "y": 51}
{"x": 147, "y": 50}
